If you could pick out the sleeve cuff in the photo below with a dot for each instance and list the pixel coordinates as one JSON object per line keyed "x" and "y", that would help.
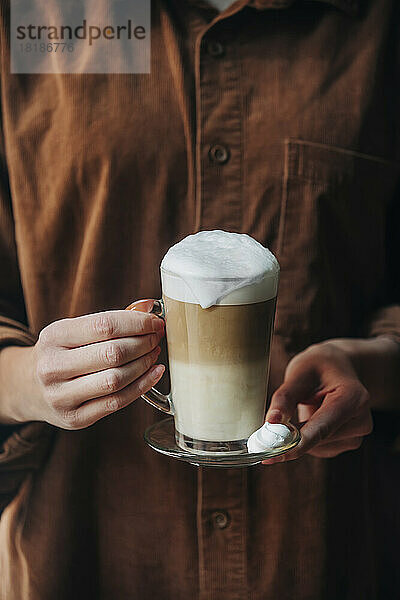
{"x": 386, "y": 321}
{"x": 23, "y": 447}
{"x": 22, "y": 452}
{"x": 15, "y": 333}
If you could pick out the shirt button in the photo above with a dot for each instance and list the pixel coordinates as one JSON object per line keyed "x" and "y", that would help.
{"x": 220, "y": 519}
{"x": 219, "y": 154}
{"x": 215, "y": 48}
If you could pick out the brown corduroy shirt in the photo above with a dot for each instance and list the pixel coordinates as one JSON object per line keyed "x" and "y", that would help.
{"x": 278, "y": 119}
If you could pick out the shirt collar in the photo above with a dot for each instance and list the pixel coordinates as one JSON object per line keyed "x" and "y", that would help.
{"x": 348, "y": 6}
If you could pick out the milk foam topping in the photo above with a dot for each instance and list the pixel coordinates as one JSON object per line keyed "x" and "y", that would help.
{"x": 218, "y": 267}
{"x": 270, "y": 435}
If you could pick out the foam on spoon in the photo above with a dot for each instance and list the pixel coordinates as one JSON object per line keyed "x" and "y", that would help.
{"x": 218, "y": 267}
{"x": 270, "y": 435}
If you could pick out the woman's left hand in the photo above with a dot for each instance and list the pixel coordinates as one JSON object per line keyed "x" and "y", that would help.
{"x": 323, "y": 388}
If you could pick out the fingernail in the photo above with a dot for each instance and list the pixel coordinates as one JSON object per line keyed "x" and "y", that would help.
{"x": 274, "y": 416}
{"x": 156, "y": 351}
{"x": 141, "y": 305}
{"x": 157, "y": 371}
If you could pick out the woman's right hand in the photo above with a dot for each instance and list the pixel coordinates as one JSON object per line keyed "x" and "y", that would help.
{"x": 82, "y": 369}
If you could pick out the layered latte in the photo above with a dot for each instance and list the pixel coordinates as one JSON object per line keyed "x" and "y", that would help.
{"x": 219, "y": 359}
{"x": 219, "y": 292}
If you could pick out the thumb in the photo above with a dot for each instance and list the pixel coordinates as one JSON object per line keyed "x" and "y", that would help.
{"x": 298, "y": 388}
{"x": 283, "y": 404}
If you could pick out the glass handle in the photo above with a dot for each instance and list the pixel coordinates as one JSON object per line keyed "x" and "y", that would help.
{"x": 159, "y": 308}
{"x": 158, "y": 400}
{"x": 153, "y": 396}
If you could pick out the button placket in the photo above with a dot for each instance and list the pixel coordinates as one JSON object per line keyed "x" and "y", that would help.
{"x": 222, "y": 534}
{"x": 222, "y": 494}
{"x": 219, "y": 134}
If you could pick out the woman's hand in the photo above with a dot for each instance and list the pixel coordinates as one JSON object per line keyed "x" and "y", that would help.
{"x": 82, "y": 369}
{"x": 323, "y": 388}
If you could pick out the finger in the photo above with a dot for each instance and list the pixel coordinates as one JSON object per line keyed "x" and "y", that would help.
{"x": 90, "y": 412}
{"x": 360, "y": 426}
{"x": 75, "y": 362}
{"x": 337, "y": 408}
{"x": 334, "y": 448}
{"x": 98, "y": 327}
{"x": 292, "y": 392}
{"x": 95, "y": 385}
{"x": 306, "y": 411}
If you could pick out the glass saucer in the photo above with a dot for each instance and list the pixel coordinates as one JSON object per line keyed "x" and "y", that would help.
{"x": 161, "y": 437}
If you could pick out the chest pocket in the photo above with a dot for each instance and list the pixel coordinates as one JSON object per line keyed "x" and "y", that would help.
{"x": 332, "y": 240}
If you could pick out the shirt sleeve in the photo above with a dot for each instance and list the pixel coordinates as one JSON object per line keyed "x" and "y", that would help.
{"x": 386, "y": 318}
{"x": 22, "y": 447}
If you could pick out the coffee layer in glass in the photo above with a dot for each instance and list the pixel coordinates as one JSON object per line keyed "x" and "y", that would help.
{"x": 219, "y": 362}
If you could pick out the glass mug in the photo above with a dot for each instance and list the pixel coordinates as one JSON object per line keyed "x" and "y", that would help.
{"x": 218, "y": 363}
